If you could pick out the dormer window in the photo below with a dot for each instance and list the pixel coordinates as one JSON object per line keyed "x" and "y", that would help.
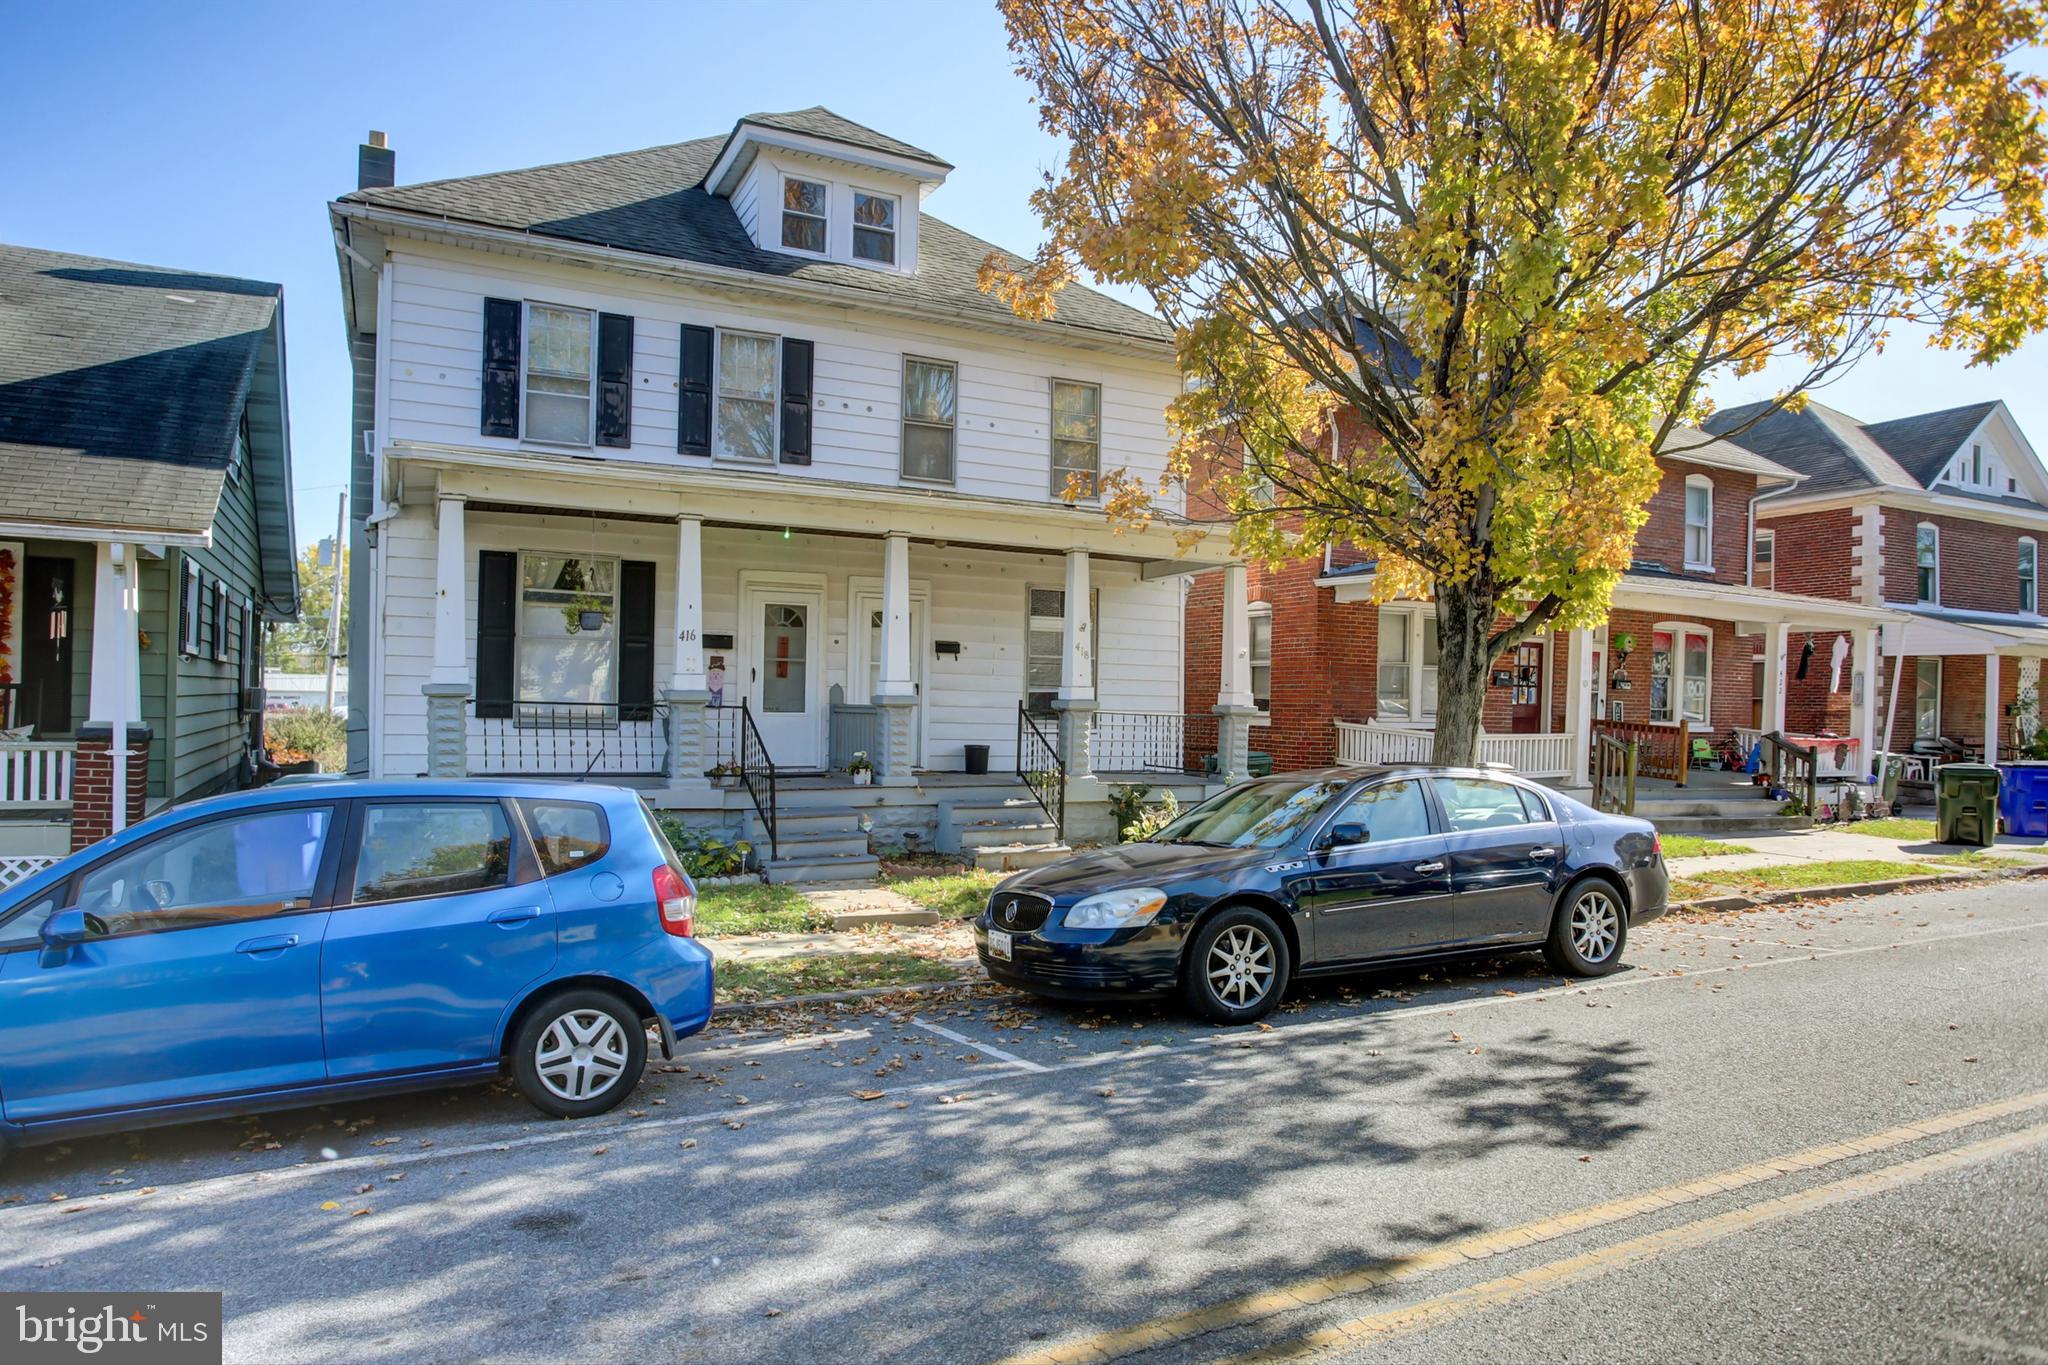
{"x": 803, "y": 214}
{"x": 874, "y": 227}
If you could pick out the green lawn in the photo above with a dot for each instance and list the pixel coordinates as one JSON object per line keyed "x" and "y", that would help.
{"x": 1918, "y": 831}
{"x": 1840, "y": 872}
{"x": 755, "y": 908}
{"x": 782, "y": 977}
{"x": 1978, "y": 857}
{"x": 955, "y": 895}
{"x": 1694, "y": 846}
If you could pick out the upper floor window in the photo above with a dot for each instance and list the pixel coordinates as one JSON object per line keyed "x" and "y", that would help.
{"x": 1763, "y": 572}
{"x": 874, "y": 227}
{"x": 2030, "y": 594}
{"x": 559, "y": 376}
{"x": 1681, "y": 662}
{"x": 746, "y": 396}
{"x": 1699, "y": 522}
{"x": 1261, "y": 651}
{"x": 1076, "y": 437}
{"x": 803, "y": 214}
{"x": 1927, "y": 556}
{"x": 930, "y": 402}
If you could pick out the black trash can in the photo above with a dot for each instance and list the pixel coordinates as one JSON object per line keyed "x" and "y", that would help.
{"x": 977, "y": 758}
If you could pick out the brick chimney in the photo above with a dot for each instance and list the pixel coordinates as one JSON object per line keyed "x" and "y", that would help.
{"x": 376, "y": 163}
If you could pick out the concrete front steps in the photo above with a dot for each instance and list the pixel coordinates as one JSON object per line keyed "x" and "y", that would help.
{"x": 816, "y": 843}
{"x": 1676, "y": 812}
{"x": 1004, "y": 835}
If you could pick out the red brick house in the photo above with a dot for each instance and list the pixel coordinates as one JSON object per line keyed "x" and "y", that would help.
{"x": 1690, "y": 648}
{"x": 1940, "y": 516}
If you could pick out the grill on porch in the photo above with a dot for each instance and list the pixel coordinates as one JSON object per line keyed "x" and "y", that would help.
{"x": 568, "y": 738}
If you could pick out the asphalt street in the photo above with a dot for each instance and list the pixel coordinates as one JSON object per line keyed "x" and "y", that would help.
{"x": 1808, "y": 1134}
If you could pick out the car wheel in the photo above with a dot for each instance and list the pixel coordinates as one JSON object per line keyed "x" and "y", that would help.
{"x": 579, "y": 1054}
{"x": 1237, "y": 968}
{"x": 1590, "y": 929}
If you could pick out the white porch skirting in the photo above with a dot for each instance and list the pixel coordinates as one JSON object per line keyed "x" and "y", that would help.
{"x": 1530, "y": 755}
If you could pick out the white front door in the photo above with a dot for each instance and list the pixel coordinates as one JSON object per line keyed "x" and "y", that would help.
{"x": 785, "y": 666}
{"x": 866, "y": 673}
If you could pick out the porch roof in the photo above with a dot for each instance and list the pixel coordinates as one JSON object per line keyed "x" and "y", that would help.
{"x": 1169, "y": 545}
{"x": 1951, "y": 632}
{"x": 1641, "y": 591}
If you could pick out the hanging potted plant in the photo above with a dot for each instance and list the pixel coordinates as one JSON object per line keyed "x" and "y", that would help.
{"x": 862, "y": 768}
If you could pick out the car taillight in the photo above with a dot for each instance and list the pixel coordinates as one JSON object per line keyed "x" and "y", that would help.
{"x": 1657, "y": 843}
{"x": 677, "y": 899}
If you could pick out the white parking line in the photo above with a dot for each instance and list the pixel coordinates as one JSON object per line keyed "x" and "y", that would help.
{"x": 989, "y": 1048}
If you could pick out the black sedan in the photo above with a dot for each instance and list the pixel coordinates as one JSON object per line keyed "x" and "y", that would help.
{"x": 1328, "y": 871}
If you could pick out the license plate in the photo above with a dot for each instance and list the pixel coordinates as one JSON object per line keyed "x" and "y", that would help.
{"x": 999, "y": 944}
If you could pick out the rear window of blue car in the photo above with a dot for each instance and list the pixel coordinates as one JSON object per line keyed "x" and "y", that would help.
{"x": 566, "y": 834}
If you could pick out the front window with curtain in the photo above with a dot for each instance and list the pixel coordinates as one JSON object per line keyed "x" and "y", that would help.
{"x": 2029, "y": 583}
{"x": 746, "y": 396}
{"x": 1076, "y": 438}
{"x": 1927, "y": 698}
{"x": 1699, "y": 523}
{"x": 930, "y": 401}
{"x": 874, "y": 228}
{"x": 558, "y": 403}
{"x": 1681, "y": 663}
{"x": 1698, "y": 666}
{"x": 1261, "y": 652}
{"x": 803, "y": 215}
{"x": 1393, "y": 695}
{"x": 1660, "y": 676}
{"x": 1045, "y": 642}
{"x": 568, "y": 631}
{"x": 1927, "y": 556}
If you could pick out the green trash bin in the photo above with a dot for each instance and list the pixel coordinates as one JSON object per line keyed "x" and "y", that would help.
{"x": 1966, "y": 803}
{"x": 1890, "y": 769}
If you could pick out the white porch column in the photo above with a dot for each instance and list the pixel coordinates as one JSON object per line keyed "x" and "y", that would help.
{"x": 115, "y": 704}
{"x": 897, "y": 694}
{"x": 1864, "y": 667}
{"x": 1992, "y": 719}
{"x": 448, "y": 686}
{"x": 687, "y": 694}
{"x": 1235, "y": 708}
{"x": 1076, "y": 700}
{"x": 1776, "y": 637}
{"x": 1578, "y": 704}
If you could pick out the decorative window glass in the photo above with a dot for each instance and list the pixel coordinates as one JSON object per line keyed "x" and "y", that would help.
{"x": 746, "y": 397}
{"x": 1927, "y": 698}
{"x": 1699, "y": 523}
{"x": 2030, "y": 594}
{"x": 1661, "y": 665}
{"x": 1260, "y": 648}
{"x": 1698, "y": 664}
{"x": 930, "y": 399}
{"x": 559, "y": 375}
{"x": 874, "y": 228}
{"x": 803, "y": 215}
{"x": 1076, "y": 438}
{"x": 786, "y": 658}
{"x": 1681, "y": 673}
{"x": 568, "y": 634}
{"x": 1764, "y": 571}
{"x": 1045, "y": 642}
{"x": 1927, "y": 556}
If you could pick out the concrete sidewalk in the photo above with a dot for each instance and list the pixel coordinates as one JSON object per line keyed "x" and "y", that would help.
{"x": 1839, "y": 843}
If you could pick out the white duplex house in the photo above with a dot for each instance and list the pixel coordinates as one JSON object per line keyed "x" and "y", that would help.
{"x": 709, "y": 466}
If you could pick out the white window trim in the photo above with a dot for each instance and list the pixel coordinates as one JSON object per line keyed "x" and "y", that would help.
{"x": 1934, "y": 598}
{"x": 188, "y": 611}
{"x": 1678, "y": 631}
{"x": 1059, "y": 486}
{"x": 854, "y": 226}
{"x": 1693, "y": 481}
{"x": 1934, "y": 659}
{"x": 519, "y": 621}
{"x": 772, "y": 459}
{"x": 1412, "y": 619}
{"x": 1262, "y": 610}
{"x": 782, "y": 211}
{"x": 2032, "y": 577}
{"x": 903, "y": 422}
{"x": 526, "y": 308}
{"x": 1764, "y": 537}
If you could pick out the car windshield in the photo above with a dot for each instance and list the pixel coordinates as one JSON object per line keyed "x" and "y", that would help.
{"x": 1256, "y": 815}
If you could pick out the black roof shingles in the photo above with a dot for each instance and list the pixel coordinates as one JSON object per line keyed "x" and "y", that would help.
{"x": 1823, "y": 444}
{"x": 1926, "y": 442}
{"x": 107, "y": 361}
{"x": 654, "y": 201}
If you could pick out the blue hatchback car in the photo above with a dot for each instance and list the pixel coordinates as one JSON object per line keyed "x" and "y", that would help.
{"x": 308, "y": 943}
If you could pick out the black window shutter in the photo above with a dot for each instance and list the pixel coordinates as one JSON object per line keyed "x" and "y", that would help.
{"x": 796, "y": 401}
{"x": 693, "y": 393}
{"x": 636, "y": 640}
{"x": 501, "y": 367}
{"x": 614, "y": 379}
{"x": 497, "y": 609}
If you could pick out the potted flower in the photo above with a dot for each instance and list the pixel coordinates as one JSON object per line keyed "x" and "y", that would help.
{"x": 862, "y": 768}
{"x": 723, "y": 774}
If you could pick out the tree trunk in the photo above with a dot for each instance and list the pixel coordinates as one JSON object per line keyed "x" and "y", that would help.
{"x": 1464, "y": 620}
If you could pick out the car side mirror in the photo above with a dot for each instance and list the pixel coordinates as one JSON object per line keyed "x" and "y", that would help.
{"x": 65, "y": 929}
{"x": 1345, "y": 835}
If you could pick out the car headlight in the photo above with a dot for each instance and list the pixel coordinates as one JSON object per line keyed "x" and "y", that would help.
{"x": 1117, "y": 909}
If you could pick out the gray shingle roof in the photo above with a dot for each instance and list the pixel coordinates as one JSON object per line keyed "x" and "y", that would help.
{"x": 1924, "y": 444}
{"x": 654, "y": 201}
{"x": 121, "y": 387}
{"x": 1698, "y": 447}
{"x": 818, "y": 121}
{"x": 1830, "y": 448}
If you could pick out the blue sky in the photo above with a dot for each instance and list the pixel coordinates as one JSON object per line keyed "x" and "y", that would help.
{"x": 211, "y": 136}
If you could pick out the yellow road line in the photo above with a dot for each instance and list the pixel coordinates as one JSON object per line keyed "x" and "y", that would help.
{"x": 1578, "y": 1269}
{"x": 1287, "y": 1298}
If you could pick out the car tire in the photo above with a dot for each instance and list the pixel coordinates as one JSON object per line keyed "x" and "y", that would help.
{"x": 579, "y": 1053}
{"x": 1589, "y": 930}
{"x": 1237, "y": 968}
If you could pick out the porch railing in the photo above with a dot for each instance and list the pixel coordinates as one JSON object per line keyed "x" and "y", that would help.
{"x": 1790, "y": 767}
{"x": 1666, "y": 750}
{"x": 1038, "y": 764}
{"x": 1614, "y": 773}
{"x": 1530, "y": 755}
{"x": 35, "y": 774}
{"x": 1151, "y": 742}
{"x": 568, "y": 738}
{"x": 757, "y": 775}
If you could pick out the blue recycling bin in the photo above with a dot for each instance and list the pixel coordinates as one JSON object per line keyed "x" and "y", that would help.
{"x": 2023, "y": 798}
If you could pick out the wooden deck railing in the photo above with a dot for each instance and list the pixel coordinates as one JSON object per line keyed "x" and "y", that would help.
{"x": 1665, "y": 750}
{"x": 1614, "y": 773}
{"x": 1789, "y": 767}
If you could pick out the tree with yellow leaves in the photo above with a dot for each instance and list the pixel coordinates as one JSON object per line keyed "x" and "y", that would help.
{"x": 1517, "y": 239}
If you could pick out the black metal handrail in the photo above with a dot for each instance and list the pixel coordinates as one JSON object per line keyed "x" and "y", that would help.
{"x": 1150, "y": 742}
{"x": 568, "y": 738}
{"x": 757, "y": 775}
{"x": 1038, "y": 764}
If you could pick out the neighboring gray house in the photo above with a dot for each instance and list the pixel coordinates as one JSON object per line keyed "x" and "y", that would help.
{"x": 145, "y": 478}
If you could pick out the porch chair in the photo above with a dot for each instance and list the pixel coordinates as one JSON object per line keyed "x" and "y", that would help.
{"x": 1704, "y": 754}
